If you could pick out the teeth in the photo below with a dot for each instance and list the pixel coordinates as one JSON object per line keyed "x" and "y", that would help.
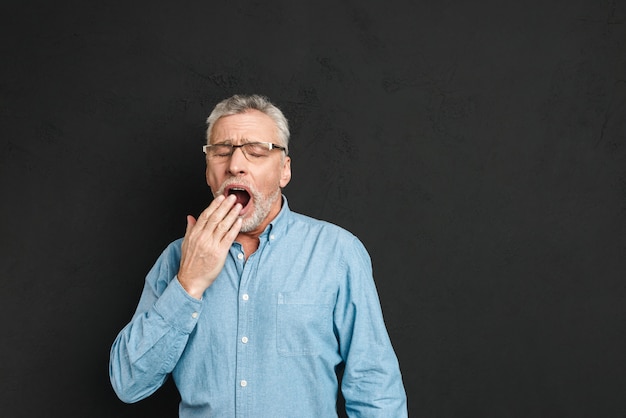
{"x": 236, "y": 189}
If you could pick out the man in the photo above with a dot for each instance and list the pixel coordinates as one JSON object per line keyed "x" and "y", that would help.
{"x": 257, "y": 310}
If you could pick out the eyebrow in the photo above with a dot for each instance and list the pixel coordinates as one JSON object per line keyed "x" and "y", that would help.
{"x": 230, "y": 141}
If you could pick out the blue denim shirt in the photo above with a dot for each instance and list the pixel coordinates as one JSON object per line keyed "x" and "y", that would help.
{"x": 269, "y": 336}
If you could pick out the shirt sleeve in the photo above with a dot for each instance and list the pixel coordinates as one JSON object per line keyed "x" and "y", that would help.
{"x": 148, "y": 348}
{"x": 372, "y": 384}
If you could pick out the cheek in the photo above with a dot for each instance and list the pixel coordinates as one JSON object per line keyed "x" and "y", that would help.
{"x": 271, "y": 182}
{"x": 212, "y": 179}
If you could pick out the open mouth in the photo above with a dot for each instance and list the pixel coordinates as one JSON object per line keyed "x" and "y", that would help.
{"x": 242, "y": 195}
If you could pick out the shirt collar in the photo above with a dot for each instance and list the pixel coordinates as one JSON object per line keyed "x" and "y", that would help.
{"x": 278, "y": 225}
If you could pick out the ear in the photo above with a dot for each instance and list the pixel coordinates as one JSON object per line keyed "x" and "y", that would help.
{"x": 285, "y": 175}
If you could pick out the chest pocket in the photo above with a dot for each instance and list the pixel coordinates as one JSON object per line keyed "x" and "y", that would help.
{"x": 304, "y": 323}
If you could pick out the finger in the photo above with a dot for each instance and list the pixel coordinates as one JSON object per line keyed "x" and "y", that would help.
{"x": 227, "y": 223}
{"x": 191, "y": 222}
{"x": 220, "y": 213}
{"x": 232, "y": 233}
{"x": 204, "y": 216}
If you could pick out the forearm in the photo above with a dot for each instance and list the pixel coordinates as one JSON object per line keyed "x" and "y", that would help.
{"x": 149, "y": 347}
{"x": 372, "y": 383}
{"x": 374, "y": 389}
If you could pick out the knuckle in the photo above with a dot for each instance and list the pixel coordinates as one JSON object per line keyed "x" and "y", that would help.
{"x": 223, "y": 226}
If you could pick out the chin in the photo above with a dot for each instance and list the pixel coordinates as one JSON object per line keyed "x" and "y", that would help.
{"x": 249, "y": 226}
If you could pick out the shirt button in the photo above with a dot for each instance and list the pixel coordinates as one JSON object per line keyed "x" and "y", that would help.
{"x": 240, "y": 256}
{"x": 245, "y": 296}
{"x": 194, "y": 315}
{"x": 244, "y": 340}
{"x": 243, "y": 383}
{"x": 272, "y": 236}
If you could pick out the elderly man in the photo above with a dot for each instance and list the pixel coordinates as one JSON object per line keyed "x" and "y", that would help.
{"x": 259, "y": 311}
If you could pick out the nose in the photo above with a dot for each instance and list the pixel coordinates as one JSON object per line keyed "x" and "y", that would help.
{"x": 238, "y": 163}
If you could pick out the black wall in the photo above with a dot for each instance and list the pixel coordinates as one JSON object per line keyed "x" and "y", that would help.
{"x": 478, "y": 149}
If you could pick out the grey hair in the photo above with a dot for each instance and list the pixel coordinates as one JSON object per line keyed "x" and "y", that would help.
{"x": 239, "y": 103}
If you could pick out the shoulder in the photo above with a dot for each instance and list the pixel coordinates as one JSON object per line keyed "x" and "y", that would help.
{"x": 166, "y": 267}
{"x": 171, "y": 253}
{"x": 332, "y": 235}
{"x": 303, "y": 222}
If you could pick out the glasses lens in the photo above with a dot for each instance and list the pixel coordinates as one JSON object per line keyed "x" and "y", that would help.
{"x": 256, "y": 149}
{"x": 252, "y": 151}
{"x": 219, "y": 151}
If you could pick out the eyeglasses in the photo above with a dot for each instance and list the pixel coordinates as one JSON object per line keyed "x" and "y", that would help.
{"x": 253, "y": 151}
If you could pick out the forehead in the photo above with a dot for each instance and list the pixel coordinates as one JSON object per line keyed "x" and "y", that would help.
{"x": 252, "y": 125}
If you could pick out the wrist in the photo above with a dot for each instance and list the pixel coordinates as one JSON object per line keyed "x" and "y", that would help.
{"x": 192, "y": 287}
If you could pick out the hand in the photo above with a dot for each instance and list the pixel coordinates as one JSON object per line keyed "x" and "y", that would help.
{"x": 206, "y": 244}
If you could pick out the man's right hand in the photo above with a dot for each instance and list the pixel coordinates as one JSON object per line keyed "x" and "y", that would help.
{"x": 206, "y": 244}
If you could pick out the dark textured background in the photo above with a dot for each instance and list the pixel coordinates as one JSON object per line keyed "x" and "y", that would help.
{"x": 477, "y": 148}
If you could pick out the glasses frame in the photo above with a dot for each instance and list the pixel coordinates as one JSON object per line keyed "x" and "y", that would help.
{"x": 270, "y": 146}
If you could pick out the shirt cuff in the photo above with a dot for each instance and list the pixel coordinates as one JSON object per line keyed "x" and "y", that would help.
{"x": 178, "y": 308}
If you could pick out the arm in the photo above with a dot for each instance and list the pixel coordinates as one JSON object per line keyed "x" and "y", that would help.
{"x": 149, "y": 347}
{"x": 372, "y": 383}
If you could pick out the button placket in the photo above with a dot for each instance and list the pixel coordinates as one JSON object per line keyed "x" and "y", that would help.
{"x": 243, "y": 322}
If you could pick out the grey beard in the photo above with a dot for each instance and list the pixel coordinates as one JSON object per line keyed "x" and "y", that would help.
{"x": 262, "y": 207}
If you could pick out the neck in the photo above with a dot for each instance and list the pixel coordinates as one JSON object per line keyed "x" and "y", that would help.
{"x": 249, "y": 242}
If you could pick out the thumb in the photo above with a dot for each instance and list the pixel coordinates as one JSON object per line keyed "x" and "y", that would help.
{"x": 191, "y": 222}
